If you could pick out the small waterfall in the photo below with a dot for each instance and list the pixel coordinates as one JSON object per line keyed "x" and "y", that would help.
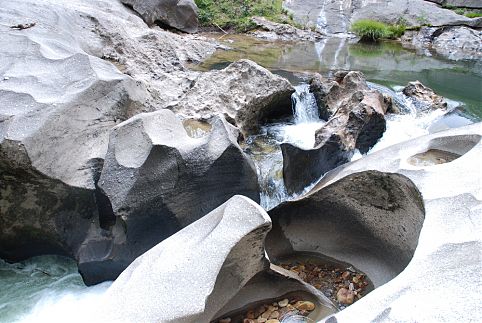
{"x": 265, "y": 150}
{"x": 305, "y": 109}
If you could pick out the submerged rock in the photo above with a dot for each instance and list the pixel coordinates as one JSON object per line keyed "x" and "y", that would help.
{"x": 179, "y": 14}
{"x": 356, "y": 120}
{"x": 158, "y": 180}
{"x": 284, "y": 32}
{"x": 193, "y": 274}
{"x": 423, "y": 96}
{"x": 245, "y": 93}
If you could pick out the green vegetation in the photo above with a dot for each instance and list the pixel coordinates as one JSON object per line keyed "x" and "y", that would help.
{"x": 371, "y": 30}
{"x": 236, "y": 14}
{"x": 473, "y": 14}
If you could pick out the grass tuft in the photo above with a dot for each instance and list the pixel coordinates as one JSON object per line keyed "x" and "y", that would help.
{"x": 371, "y": 30}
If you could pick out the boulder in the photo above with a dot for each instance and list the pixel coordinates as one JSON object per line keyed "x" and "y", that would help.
{"x": 193, "y": 274}
{"x": 179, "y": 14}
{"x": 454, "y": 43}
{"x": 355, "y": 121}
{"x": 423, "y": 96}
{"x": 275, "y": 31}
{"x": 244, "y": 92}
{"x": 449, "y": 242}
{"x": 158, "y": 180}
{"x": 459, "y": 43}
{"x": 370, "y": 220}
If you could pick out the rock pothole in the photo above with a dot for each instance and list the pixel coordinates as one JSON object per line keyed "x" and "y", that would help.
{"x": 444, "y": 150}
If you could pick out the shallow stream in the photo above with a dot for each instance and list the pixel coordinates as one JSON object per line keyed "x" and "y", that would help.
{"x": 49, "y": 289}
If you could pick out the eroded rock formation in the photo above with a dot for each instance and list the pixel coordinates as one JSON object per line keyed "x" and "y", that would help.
{"x": 244, "y": 92}
{"x": 355, "y": 120}
{"x": 424, "y": 97}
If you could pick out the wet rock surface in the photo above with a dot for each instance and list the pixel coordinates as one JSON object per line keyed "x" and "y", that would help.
{"x": 355, "y": 120}
{"x": 244, "y": 93}
{"x": 424, "y": 97}
{"x": 179, "y": 14}
{"x": 284, "y": 32}
{"x": 158, "y": 180}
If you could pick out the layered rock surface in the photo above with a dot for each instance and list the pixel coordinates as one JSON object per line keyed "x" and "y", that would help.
{"x": 424, "y": 97}
{"x": 244, "y": 92}
{"x": 284, "y": 32}
{"x": 355, "y": 120}
{"x": 158, "y": 180}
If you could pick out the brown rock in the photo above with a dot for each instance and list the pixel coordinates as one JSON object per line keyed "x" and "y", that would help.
{"x": 345, "y": 296}
{"x": 283, "y": 302}
{"x": 305, "y": 306}
{"x": 424, "y": 95}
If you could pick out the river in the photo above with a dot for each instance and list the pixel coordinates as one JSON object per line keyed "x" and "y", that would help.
{"x": 49, "y": 289}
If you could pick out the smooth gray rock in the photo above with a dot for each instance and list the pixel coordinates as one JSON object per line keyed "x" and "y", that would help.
{"x": 244, "y": 92}
{"x": 57, "y": 105}
{"x": 158, "y": 180}
{"x": 370, "y": 220}
{"x": 450, "y": 241}
{"x": 459, "y": 3}
{"x": 193, "y": 274}
{"x": 180, "y": 14}
{"x": 355, "y": 120}
{"x": 82, "y": 68}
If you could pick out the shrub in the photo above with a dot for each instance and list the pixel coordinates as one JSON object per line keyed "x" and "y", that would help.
{"x": 370, "y": 30}
{"x": 473, "y": 14}
{"x": 237, "y": 13}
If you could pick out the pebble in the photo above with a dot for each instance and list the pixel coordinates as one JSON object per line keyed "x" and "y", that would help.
{"x": 273, "y": 321}
{"x": 345, "y": 296}
{"x": 274, "y": 315}
{"x": 305, "y": 306}
{"x": 283, "y": 302}
{"x": 262, "y": 320}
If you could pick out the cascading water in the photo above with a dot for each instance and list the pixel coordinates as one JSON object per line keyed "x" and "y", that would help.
{"x": 265, "y": 150}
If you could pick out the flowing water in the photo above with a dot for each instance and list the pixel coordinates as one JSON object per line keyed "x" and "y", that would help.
{"x": 49, "y": 289}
